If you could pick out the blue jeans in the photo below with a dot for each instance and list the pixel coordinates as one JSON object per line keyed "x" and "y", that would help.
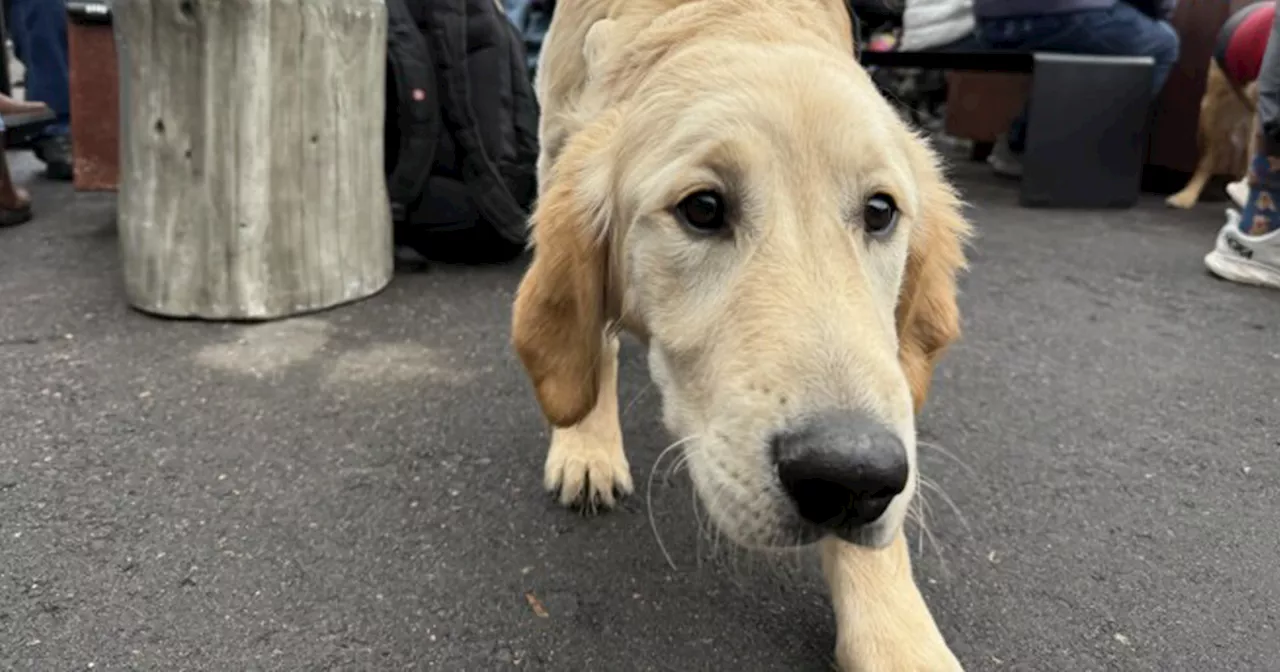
{"x": 38, "y": 29}
{"x": 532, "y": 19}
{"x": 1119, "y": 30}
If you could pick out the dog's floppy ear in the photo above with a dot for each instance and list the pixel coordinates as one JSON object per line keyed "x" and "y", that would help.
{"x": 928, "y": 317}
{"x": 558, "y": 320}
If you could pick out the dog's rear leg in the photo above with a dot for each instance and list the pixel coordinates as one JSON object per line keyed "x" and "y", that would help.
{"x": 586, "y": 466}
{"x": 1239, "y": 190}
{"x": 882, "y": 622}
{"x": 1190, "y": 194}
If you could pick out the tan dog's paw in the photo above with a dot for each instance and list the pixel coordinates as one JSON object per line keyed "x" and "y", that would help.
{"x": 587, "y": 471}
{"x": 906, "y": 656}
{"x": 1181, "y": 200}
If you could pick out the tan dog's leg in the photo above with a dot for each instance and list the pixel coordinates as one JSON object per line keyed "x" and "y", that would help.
{"x": 1239, "y": 190}
{"x": 1220, "y": 105}
{"x": 586, "y": 464}
{"x": 1254, "y": 134}
{"x": 1190, "y": 194}
{"x": 882, "y": 622}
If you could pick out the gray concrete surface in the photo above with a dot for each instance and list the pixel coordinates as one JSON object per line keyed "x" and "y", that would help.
{"x": 359, "y": 490}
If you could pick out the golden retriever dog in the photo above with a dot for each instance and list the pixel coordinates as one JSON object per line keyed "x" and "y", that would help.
{"x": 721, "y": 179}
{"x": 1225, "y": 136}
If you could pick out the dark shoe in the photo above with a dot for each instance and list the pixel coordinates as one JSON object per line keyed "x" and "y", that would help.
{"x": 15, "y": 216}
{"x": 14, "y": 106}
{"x": 55, "y": 152}
{"x": 15, "y": 206}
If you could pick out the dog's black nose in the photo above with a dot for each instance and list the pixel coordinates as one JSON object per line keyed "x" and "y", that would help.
{"x": 841, "y": 468}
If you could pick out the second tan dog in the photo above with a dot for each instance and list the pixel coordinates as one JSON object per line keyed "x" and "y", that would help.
{"x": 1226, "y": 135}
{"x": 721, "y": 179}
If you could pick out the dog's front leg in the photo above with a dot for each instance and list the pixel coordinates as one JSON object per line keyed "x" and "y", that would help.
{"x": 1190, "y": 194}
{"x": 882, "y": 622}
{"x": 586, "y": 465}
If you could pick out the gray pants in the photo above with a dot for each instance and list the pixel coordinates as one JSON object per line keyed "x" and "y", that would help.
{"x": 1269, "y": 93}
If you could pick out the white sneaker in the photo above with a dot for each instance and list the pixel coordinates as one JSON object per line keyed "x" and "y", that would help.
{"x": 1239, "y": 257}
{"x": 1239, "y": 192}
{"x": 1003, "y": 160}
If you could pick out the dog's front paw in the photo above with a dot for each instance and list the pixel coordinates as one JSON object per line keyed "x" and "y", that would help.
{"x": 587, "y": 471}
{"x": 1181, "y": 200}
{"x": 926, "y": 654}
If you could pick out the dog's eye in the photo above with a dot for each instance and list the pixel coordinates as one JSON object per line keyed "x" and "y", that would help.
{"x": 702, "y": 211}
{"x": 880, "y": 215}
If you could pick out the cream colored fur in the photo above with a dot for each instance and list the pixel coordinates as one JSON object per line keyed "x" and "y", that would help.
{"x": 647, "y": 101}
{"x": 1226, "y": 134}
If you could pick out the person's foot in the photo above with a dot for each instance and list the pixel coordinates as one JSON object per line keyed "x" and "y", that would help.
{"x": 1003, "y": 160}
{"x": 14, "y": 106}
{"x": 55, "y": 152}
{"x": 1244, "y": 258}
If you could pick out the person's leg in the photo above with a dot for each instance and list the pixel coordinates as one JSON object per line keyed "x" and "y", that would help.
{"x": 517, "y": 10}
{"x": 1125, "y": 31}
{"x": 38, "y": 29}
{"x": 969, "y": 42}
{"x": 1248, "y": 246}
{"x": 1260, "y": 214}
{"x": 1119, "y": 30}
{"x": 1048, "y": 32}
{"x": 1269, "y": 94}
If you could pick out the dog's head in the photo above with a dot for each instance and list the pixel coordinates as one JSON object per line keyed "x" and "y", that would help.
{"x": 789, "y": 250}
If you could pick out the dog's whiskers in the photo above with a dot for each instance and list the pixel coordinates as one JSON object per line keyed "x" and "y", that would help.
{"x": 639, "y": 395}
{"x": 949, "y": 455}
{"x": 707, "y": 529}
{"x": 934, "y": 487}
{"x": 697, "y": 518}
{"x": 648, "y": 496}
{"x": 916, "y": 514}
{"x": 783, "y": 557}
{"x": 924, "y": 511}
{"x": 780, "y": 557}
{"x": 677, "y": 464}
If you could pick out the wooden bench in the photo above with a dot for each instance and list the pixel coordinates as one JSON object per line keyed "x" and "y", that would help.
{"x": 1086, "y": 127}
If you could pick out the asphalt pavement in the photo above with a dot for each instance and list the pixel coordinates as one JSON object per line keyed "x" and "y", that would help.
{"x": 360, "y": 489}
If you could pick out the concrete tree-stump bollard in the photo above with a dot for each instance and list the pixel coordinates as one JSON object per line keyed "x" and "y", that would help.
{"x": 251, "y": 183}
